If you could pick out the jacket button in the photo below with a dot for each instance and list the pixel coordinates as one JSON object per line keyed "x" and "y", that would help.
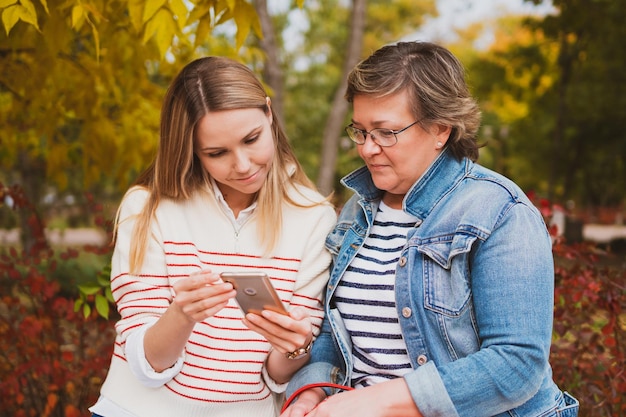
{"x": 422, "y": 359}
{"x": 402, "y": 261}
{"x": 406, "y": 312}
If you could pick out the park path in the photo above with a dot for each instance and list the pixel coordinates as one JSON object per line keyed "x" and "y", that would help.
{"x": 599, "y": 233}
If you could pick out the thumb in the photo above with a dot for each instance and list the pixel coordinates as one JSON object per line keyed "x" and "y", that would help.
{"x": 299, "y": 313}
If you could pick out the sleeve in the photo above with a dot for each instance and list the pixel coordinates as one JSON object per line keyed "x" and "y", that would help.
{"x": 312, "y": 275}
{"x": 139, "y": 365}
{"x": 140, "y": 298}
{"x": 314, "y": 268}
{"x": 324, "y": 365}
{"x": 512, "y": 286}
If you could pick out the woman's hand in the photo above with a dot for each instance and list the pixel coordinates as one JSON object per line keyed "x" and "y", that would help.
{"x": 386, "y": 399}
{"x": 307, "y": 401}
{"x": 197, "y": 297}
{"x": 285, "y": 333}
{"x": 201, "y": 295}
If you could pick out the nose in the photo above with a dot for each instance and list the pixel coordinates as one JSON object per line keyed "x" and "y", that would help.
{"x": 241, "y": 162}
{"x": 369, "y": 147}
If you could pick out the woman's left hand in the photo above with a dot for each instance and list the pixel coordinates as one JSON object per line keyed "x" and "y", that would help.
{"x": 285, "y": 333}
{"x": 386, "y": 399}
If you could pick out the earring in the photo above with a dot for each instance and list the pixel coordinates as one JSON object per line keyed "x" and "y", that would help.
{"x": 439, "y": 145}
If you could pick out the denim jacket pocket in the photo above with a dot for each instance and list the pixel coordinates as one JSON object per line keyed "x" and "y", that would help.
{"x": 446, "y": 274}
{"x": 336, "y": 237}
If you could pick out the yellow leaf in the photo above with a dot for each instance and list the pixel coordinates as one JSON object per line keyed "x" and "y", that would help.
{"x": 300, "y": 3}
{"x": 232, "y": 4}
{"x": 163, "y": 28}
{"x": 202, "y": 31}
{"x": 10, "y": 16}
{"x": 28, "y": 5}
{"x": 245, "y": 17}
{"x": 135, "y": 11}
{"x": 180, "y": 11}
{"x": 6, "y": 3}
{"x": 78, "y": 16}
{"x": 151, "y": 8}
{"x": 44, "y": 3}
{"x": 28, "y": 16}
{"x": 199, "y": 12}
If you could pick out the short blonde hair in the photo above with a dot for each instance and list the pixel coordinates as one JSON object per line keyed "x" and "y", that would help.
{"x": 435, "y": 80}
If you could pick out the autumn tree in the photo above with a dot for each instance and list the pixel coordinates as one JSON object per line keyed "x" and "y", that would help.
{"x": 81, "y": 83}
{"x": 315, "y": 110}
{"x": 553, "y": 93}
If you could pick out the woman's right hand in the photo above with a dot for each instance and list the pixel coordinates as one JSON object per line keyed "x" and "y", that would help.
{"x": 201, "y": 295}
{"x": 306, "y": 402}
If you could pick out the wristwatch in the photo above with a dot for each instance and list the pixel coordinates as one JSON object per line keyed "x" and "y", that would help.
{"x": 300, "y": 353}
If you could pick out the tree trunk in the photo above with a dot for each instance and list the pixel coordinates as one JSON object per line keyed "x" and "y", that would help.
{"x": 272, "y": 71}
{"x": 32, "y": 229}
{"x": 339, "y": 108}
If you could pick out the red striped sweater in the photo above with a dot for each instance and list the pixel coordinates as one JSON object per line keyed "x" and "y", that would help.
{"x": 223, "y": 360}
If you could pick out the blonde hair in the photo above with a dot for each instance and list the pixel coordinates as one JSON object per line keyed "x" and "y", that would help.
{"x": 206, "y": 85}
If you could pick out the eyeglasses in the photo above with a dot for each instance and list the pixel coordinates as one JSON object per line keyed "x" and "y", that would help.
{"x": 381, "y": 137}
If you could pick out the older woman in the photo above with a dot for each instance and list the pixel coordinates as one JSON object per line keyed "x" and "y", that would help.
{"x": 440, "y": 298}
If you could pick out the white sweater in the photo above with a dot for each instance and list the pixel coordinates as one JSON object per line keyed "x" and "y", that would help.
{"x": 221, "y": 371}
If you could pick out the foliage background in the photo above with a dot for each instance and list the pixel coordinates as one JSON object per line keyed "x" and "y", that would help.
{"x": 81, "y": 84}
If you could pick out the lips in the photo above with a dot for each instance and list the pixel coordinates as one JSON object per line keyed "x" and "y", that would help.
{"x": 247, "y": 178}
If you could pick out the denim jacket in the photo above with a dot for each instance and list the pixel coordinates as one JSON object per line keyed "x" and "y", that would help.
{"x": 474, "y": 295}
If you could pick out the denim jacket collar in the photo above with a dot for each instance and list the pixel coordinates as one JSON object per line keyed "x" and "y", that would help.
{"x": 423, "y": 195}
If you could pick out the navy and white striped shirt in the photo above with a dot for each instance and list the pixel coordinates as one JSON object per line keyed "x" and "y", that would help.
{"x": 366, "y": 301}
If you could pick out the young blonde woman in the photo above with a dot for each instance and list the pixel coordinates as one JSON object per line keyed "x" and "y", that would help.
{"x": 224, "y": 193}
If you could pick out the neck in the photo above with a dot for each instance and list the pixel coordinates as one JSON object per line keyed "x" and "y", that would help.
{"x": 393, "y": 200}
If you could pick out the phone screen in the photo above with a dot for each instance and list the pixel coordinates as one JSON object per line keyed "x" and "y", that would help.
{"x": 255, "y": 292}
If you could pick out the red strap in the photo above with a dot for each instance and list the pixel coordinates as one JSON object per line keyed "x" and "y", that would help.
{"x": 315, "y": 385}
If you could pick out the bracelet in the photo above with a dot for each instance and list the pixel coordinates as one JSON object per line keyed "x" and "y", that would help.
{"x": 300, "y": 353}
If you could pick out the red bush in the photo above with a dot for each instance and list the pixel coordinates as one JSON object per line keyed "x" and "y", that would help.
{"x": 588, "y": 351}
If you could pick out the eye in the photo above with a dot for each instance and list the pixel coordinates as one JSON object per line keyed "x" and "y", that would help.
{"x": 215, "y": 154}
{"x": 251, "y": 140}
{"x": 384, "y": 133}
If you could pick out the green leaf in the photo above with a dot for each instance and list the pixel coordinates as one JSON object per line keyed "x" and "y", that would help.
{"x": 103, "y": 280}
{"x": 109, "y": 294}
{"x": 89, "y": 289}
{"x": 77, "y": 304}
{"x": 86, "y": 310}
{"x": 102, "y": 306}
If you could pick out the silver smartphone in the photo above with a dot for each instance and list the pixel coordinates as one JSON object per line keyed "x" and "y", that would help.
{"x": 255, "y": 292}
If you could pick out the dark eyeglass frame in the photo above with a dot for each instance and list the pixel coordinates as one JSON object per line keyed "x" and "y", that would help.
{"x": 359, "y": 136}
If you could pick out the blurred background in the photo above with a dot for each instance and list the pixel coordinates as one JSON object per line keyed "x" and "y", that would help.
{"x": 81, "y": 84}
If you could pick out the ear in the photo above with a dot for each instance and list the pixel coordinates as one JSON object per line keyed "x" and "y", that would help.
{"x": 442, "y": 134}
{"x": 268, "y": 101}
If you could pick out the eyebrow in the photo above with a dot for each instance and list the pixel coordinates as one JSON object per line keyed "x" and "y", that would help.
{"x": 376, "y": 123}
{"x": 251, "y": 133}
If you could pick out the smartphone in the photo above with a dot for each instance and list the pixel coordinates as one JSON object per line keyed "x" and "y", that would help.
{"x": 255, "y": 292}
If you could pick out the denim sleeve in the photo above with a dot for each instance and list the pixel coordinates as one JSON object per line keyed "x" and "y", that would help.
{"x": 512, "y": 285}
{"x": 324, "y": 365}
